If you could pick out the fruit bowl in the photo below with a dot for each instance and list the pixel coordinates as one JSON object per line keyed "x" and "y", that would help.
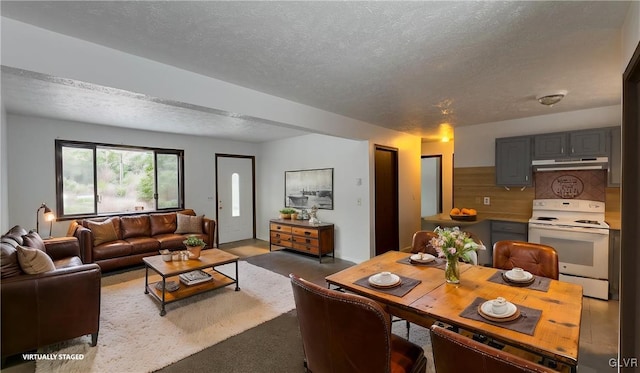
{"x": 463, "y": 217}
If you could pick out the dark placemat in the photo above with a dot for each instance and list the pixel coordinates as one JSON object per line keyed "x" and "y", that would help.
{"x": 526, "y": 323}
{"x": 438, "y": 263}
{"x": 406, "y": 284}
{"x": 539, "y": 283}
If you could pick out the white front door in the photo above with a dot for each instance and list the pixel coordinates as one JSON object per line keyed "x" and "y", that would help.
{"x": 235, "y": 198}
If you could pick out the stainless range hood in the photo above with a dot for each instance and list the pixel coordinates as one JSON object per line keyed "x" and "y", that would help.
{"x": 569, "y": 164}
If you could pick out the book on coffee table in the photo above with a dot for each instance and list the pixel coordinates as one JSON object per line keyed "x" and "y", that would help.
{"x": 195, "y": 277}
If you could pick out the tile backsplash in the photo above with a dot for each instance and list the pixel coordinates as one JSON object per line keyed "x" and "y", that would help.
{"x": 583, "y": 184}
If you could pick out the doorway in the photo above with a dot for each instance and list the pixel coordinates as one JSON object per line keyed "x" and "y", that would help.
{"x": 387, "y": 235}
{"x": 235, "y": 198}
{"x": 431, "y": 185}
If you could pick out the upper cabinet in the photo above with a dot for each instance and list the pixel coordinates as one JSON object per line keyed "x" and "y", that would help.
{"x": 586, "y": 143}
{"x": 513, "y": 161}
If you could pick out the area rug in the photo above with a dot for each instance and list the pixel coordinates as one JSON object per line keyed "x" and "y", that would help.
{"x": 135, "y": 338}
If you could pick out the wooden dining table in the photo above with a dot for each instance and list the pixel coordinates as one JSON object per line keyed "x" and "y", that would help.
{"x": 556, "y": 334}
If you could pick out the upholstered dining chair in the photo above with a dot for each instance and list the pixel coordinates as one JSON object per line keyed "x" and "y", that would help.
{"x": 455, "y": 353}
{"x": 343, "y": 332}
{"x": 538, "y": 259}
{"x": 421, "y": 242}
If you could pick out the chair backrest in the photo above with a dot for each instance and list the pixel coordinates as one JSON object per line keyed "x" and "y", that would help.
{"x": 341, "y": 332}
{"x": 421, "y": 242}
{"x": 539, "y": 259}
{"x": 455, "y": 353}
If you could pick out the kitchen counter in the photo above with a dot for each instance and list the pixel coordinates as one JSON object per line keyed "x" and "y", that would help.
{"x": 446, "y": 219}
{"x": 613, "y": 220}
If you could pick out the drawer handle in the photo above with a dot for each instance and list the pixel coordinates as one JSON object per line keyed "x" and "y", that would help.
{"x": 278, "y": 227}
{"x": 307, "y": 233}
{"x": 277, "y": 234}
{"x": 307, "y": 240}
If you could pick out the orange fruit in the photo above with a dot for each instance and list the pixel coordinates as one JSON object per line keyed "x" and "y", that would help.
{"x": 473, "y": 212}
{"x": 455, "y": 211}
{"x": 465, "y": 211}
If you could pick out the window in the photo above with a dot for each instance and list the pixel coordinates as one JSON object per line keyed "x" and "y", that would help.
{"x": 101, "y": 179}
{"x": 235, "y": 194}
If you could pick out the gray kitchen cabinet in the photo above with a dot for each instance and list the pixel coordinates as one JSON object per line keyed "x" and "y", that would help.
{"x": 615, "y": 157}
{"x": 589, "y": 143}
{"x": 550, "y": 146}
{"x": 513, "y": 161}
{"x": 507, "y": 230}
{"x": 583, "y": 143}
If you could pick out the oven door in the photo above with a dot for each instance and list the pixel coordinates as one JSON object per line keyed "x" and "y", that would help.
{"x": 581, "y": 251}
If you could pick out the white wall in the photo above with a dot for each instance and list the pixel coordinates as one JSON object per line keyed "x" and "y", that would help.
{"x": 630, "y": 34}
{"x": 349, "y": 160}
{"x": 31, "y": 168}
{"x": 4, "y": 196}
{"x": 475, "y": 145}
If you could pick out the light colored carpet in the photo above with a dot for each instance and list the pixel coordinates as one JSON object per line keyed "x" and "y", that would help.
{"x": 135, "y": 338}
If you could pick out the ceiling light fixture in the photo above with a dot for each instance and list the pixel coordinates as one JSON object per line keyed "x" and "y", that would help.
{"x": 552, "y": 99}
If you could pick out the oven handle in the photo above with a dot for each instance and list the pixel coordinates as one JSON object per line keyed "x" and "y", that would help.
{"x": 567, "y": 228}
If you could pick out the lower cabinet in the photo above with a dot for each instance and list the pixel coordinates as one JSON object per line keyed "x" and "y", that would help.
{"x": 614, "y": 264}
{"x": 507, "y": 230}
{"x": 299, "y": 235}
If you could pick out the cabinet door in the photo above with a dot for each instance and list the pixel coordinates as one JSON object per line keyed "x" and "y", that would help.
{"x": 615, "y": 162}
{"x": 550, "y": 146}
{"x": 513, "y": 161}
{"x": 589, "y": 143}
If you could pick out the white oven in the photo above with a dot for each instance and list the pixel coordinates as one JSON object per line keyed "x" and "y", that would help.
{"x": 582, "y": 245}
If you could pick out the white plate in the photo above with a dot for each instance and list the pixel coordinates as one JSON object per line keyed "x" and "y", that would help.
{"x": 423, "y": 258}
{"x": 487, "y": 308}
{"x": 379, "y": 280}
{"x": 527, "y": 276}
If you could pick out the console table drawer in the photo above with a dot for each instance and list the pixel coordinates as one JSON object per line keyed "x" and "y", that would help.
{"x": 280, "y": 239}
{"x": 305, "y": 232}
{"x": 306, "y": 241}
{"x": 280, "y": 228}
{"x": 307, "y": 248}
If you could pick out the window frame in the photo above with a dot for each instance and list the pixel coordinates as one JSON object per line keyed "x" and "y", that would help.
{"x": 60, "y": 144}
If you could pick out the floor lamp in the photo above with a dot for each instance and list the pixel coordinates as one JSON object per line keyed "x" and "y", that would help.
{"x": 48, "y": 216}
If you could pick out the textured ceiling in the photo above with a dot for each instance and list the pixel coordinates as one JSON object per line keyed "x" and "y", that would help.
{"x": 409, "y": 66}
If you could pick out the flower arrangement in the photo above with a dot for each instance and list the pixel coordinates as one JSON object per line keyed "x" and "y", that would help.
{"x": 453, "y": 245}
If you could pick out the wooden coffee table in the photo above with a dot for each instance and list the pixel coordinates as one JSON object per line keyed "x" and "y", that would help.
{"x": 207, "y": 262}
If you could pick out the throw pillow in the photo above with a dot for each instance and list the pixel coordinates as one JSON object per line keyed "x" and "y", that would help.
{"x": 102, "y": 232}
{"x": 33, "y": 239}
{"x": 34, "y": 261}
{"x": 189, "y": 224}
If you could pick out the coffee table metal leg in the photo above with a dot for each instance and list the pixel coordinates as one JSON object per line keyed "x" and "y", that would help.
{"x": 146, "y": 279}
{"x": 237, "y": 278}
{"x": 164, "y": 288}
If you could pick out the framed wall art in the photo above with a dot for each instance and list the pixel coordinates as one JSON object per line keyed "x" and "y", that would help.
{"x": 305, "y": 188}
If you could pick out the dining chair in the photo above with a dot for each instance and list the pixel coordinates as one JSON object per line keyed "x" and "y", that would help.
{"x": 344, "y": 332}
{"x": 421, "y": 242}
{"x": 538, "y": 259}
{"x": 455, "y": 353}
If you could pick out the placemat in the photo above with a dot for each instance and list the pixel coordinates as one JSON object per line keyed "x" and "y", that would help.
{"x": 539, "y": 283}
{"x": 406, "y": 284}
{"x": 437, "y": 263}
{"x": 526, "y": 323}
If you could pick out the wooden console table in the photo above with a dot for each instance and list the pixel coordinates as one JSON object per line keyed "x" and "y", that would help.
{"x": 299, "y": 235}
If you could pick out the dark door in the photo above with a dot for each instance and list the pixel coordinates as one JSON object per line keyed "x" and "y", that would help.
{"x": 386, "y": 197}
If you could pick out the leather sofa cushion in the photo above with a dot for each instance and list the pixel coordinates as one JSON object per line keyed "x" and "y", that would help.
{"x": 9, "y": 265}
{"x": 34, "y": 261}
{"x": 113, "y": 249}
{"x": 162, "y": 223}
{"x": 141, "y": 245}
{"x": 135, "y": 226}
{"x": 170, "y": 241}
{"x": 189, "y": 224}
{"x": 69, "y": 262}
{"x": 102, "y": 231}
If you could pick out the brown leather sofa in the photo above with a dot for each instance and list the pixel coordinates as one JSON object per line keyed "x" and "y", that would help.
{"x": 50, "y": 307}
{"x": 136, "y": 236}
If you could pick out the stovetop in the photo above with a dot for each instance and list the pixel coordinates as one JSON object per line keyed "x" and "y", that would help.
{"x": 574, "y": 213}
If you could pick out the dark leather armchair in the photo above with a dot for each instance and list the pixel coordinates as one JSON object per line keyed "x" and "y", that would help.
{"x": 455, "y": 353}
{"x": 41, "y": 309}
{"x": 540, "y": 260}
{"x": 344, "y": 332}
